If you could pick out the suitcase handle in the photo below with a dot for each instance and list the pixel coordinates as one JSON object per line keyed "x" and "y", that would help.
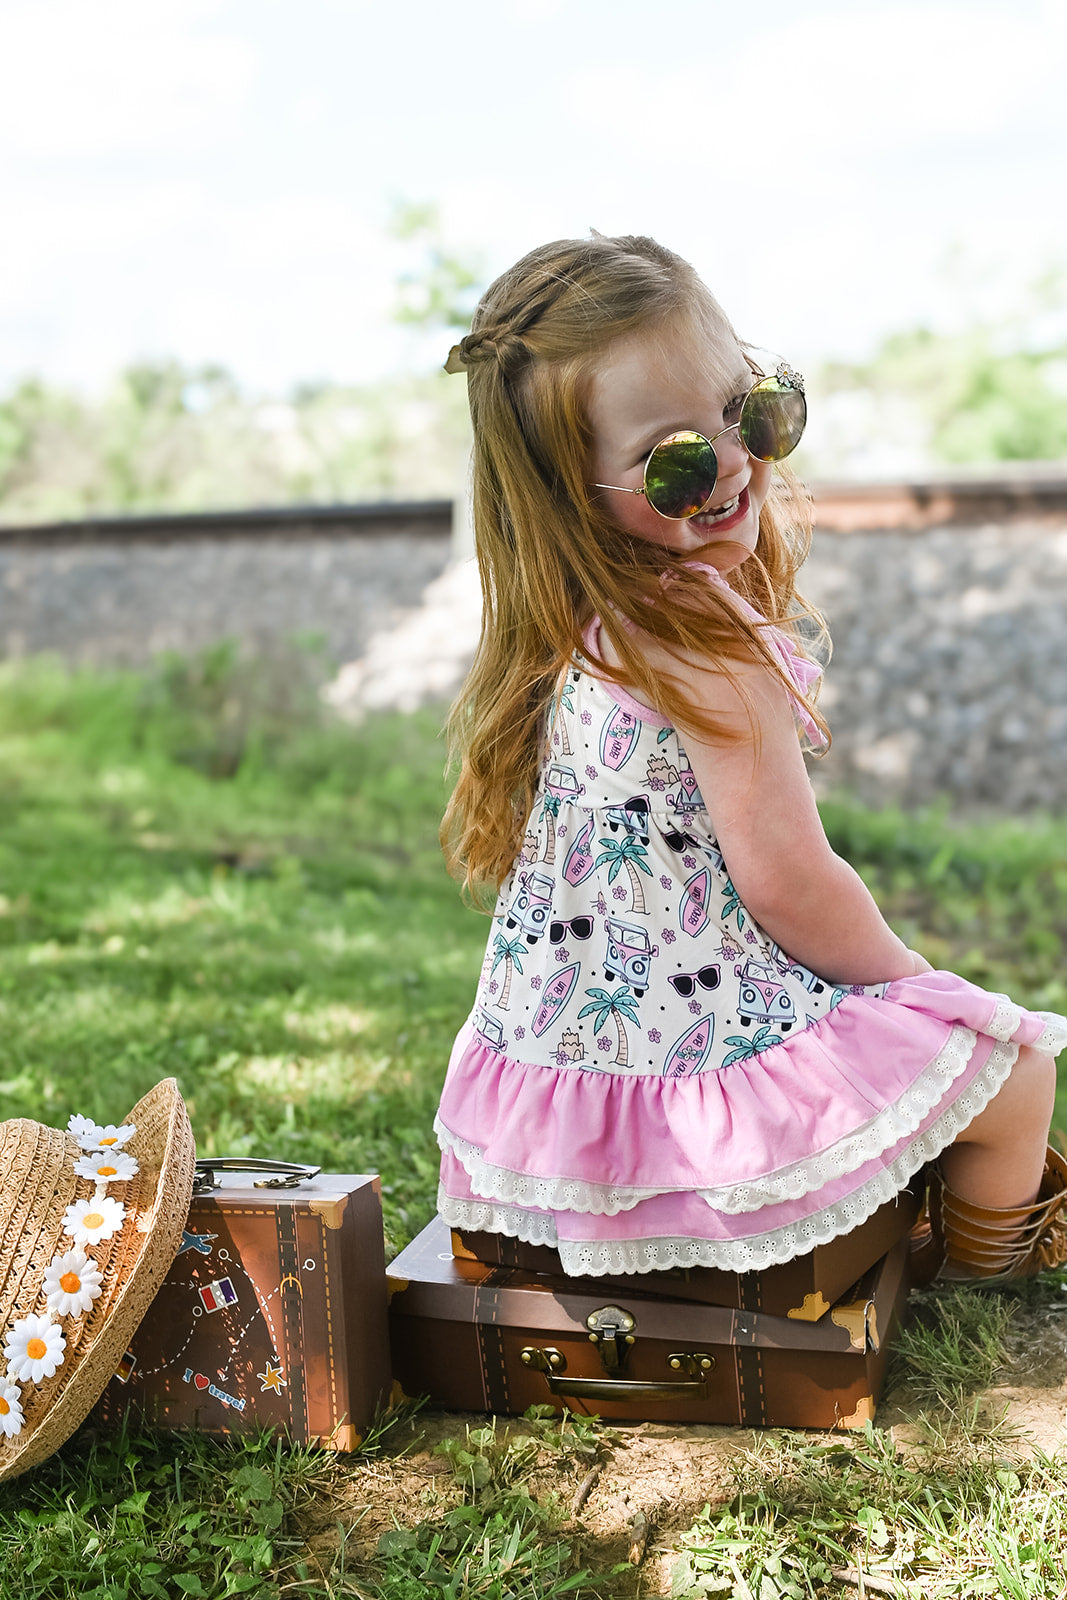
{"x": 697, "y": 1362}
{"x": 282, "y": 1174}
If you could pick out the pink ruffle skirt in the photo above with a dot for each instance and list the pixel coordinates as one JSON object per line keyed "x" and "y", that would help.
{"x": 739, "y": 1168}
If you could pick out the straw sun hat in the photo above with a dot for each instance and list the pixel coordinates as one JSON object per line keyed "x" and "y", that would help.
{"x": 90, "y": 1221}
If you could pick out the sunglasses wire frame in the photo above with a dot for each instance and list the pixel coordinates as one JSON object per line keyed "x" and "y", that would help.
{"x": 789, "y": 381}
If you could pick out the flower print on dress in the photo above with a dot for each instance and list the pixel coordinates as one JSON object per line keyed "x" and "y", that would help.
{"x": 114, "y": 1166}
{"x": 11, "y": 1418}
{"x": 89, "y": 1221}
{"x": 34, "y": 1349}
{"x": 71, "y": 1283}
{"x": 91, "y": 1136}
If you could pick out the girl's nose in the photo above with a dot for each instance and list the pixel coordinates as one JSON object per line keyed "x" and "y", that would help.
{"x": 731, "y": 453}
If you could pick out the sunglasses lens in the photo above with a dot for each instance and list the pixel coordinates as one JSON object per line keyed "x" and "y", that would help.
{"x": 682, "y": 984}
{"x": 581, "y": 927}
{"x": 773, "y": 419}
{"x": 680, "y": 475}
{"x": 557, "y": 932}
{"x": 708, "y": 977}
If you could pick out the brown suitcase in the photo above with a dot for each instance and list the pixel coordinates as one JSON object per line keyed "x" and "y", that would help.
{"x": 483, "y": 1338}
{"x": 274, "y": 1311}
{"x": 805, "y": 1287}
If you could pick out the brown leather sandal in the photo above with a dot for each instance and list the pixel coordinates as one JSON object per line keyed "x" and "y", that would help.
{"x": 993, "y": 1244}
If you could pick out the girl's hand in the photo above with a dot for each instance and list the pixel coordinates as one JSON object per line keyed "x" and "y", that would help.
{"x": 921, "y": 964}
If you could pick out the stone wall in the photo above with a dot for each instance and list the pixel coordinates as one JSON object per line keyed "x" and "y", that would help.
{"x": 122, "y": 590}
{"x": 949, "y": 667}
{"x": 947, "y": 605}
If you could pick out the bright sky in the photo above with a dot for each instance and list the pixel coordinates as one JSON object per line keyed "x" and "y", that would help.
{"x": 213, "y": 179}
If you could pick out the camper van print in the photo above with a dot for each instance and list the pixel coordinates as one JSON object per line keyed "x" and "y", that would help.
{"x": 688, "y": 797}
{"x": 489, "y": 1030}
{"x": 631, "y": 815}
{"x": 629, "y": 954}
{"x": 562, "y": 782}
{"x": 761, "y": 998}
{"x": 532, "y": 906}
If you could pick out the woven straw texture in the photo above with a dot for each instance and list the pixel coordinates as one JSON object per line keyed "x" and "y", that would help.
{"x": 39, "y": 1182}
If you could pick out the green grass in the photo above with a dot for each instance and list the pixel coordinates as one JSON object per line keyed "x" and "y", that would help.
{"x": 285, "y": 942}
{"x": 201, "y": 877}
{"x": 811, "y": 1519}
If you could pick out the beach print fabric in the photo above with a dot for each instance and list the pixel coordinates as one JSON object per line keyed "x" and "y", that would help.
{"x": 646, "y": 1080}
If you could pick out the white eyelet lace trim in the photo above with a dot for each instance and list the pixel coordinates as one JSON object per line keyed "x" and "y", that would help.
{"x": 1008, "y": 1016}
{"x": 893, "y": 1123}
{"x": 597, "y": 1258}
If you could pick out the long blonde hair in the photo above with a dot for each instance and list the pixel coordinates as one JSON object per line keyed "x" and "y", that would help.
{"x": 550, "y": 558}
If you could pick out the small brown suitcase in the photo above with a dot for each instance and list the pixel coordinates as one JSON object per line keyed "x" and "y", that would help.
{"x": 483, "y": 1338}
{"x": 805, "y": 1287}
{"x": 273, "y": 1313}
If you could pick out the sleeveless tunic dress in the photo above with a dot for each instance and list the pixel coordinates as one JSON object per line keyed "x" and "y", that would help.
{"x": 646, "y": 1080}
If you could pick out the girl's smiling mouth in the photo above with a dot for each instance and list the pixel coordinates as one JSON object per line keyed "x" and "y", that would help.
{"x": 727, "y": 515}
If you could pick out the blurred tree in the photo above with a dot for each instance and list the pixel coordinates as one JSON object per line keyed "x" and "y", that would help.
{"x": 171, "y": 437}
{"x": 994, "y": 391}
{"x": 442, "y": 290}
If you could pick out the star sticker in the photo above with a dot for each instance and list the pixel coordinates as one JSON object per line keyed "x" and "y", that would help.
{"x": 272, "y": 1379}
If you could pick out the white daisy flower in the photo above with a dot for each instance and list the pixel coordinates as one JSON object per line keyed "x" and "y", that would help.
{"x": 91, "y": 1136}
{"x": 10, "y": 1409}
{"x": 71, "y": 1283}
{"x": 112, "y": 1166}
{"x": 34, "y": 1349}
{"x": 89, "y": 1221}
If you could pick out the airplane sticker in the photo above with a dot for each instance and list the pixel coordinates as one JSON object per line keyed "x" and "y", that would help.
{"x": 197, "y": 1241}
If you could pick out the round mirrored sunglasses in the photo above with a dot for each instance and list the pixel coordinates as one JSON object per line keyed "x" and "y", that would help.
{"x": 683, "y": 469}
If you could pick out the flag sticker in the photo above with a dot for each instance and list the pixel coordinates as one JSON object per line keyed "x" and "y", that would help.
{"x": 218, "y": 1294}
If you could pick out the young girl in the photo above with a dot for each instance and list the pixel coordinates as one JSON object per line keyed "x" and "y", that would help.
{"x": 695, "y": 1041}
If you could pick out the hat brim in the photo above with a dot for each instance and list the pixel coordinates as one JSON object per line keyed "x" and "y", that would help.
{"x": 157, "y": 1202}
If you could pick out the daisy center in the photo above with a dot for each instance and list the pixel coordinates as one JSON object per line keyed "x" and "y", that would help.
{"x": 4, "y": 1407}
{"x": 107, "y": 1172}
{"x": 109, "y": 1141}
{"x": 70, "y": 1283}
{"x": 36, "y": 1349}
{"x": 92, "y": 1219}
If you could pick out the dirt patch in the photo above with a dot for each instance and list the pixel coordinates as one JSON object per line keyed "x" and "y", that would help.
{"x": 664, "y": 1474}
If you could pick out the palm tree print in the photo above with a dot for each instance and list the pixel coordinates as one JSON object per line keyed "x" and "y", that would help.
{"x": 551, "y": 812}
{"x": 566, "y": 701}
{"x": 745, "y": 1048}
{"x": 631, "y": 855}
{"x": 607, "y": 1006}
{"x": 731, "y": 905}
{"x": 510, "y": 953}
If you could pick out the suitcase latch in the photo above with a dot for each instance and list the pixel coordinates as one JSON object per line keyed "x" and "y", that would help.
{"x": 611, "y": 1330}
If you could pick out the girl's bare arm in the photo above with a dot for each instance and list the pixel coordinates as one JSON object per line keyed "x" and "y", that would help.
{"x": 763, "y": 812}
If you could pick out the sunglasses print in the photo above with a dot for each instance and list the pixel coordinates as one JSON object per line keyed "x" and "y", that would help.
{"x": 578, "y": 927}
{"x": 679, "y": 841}
{"x": 684, "y": 983}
